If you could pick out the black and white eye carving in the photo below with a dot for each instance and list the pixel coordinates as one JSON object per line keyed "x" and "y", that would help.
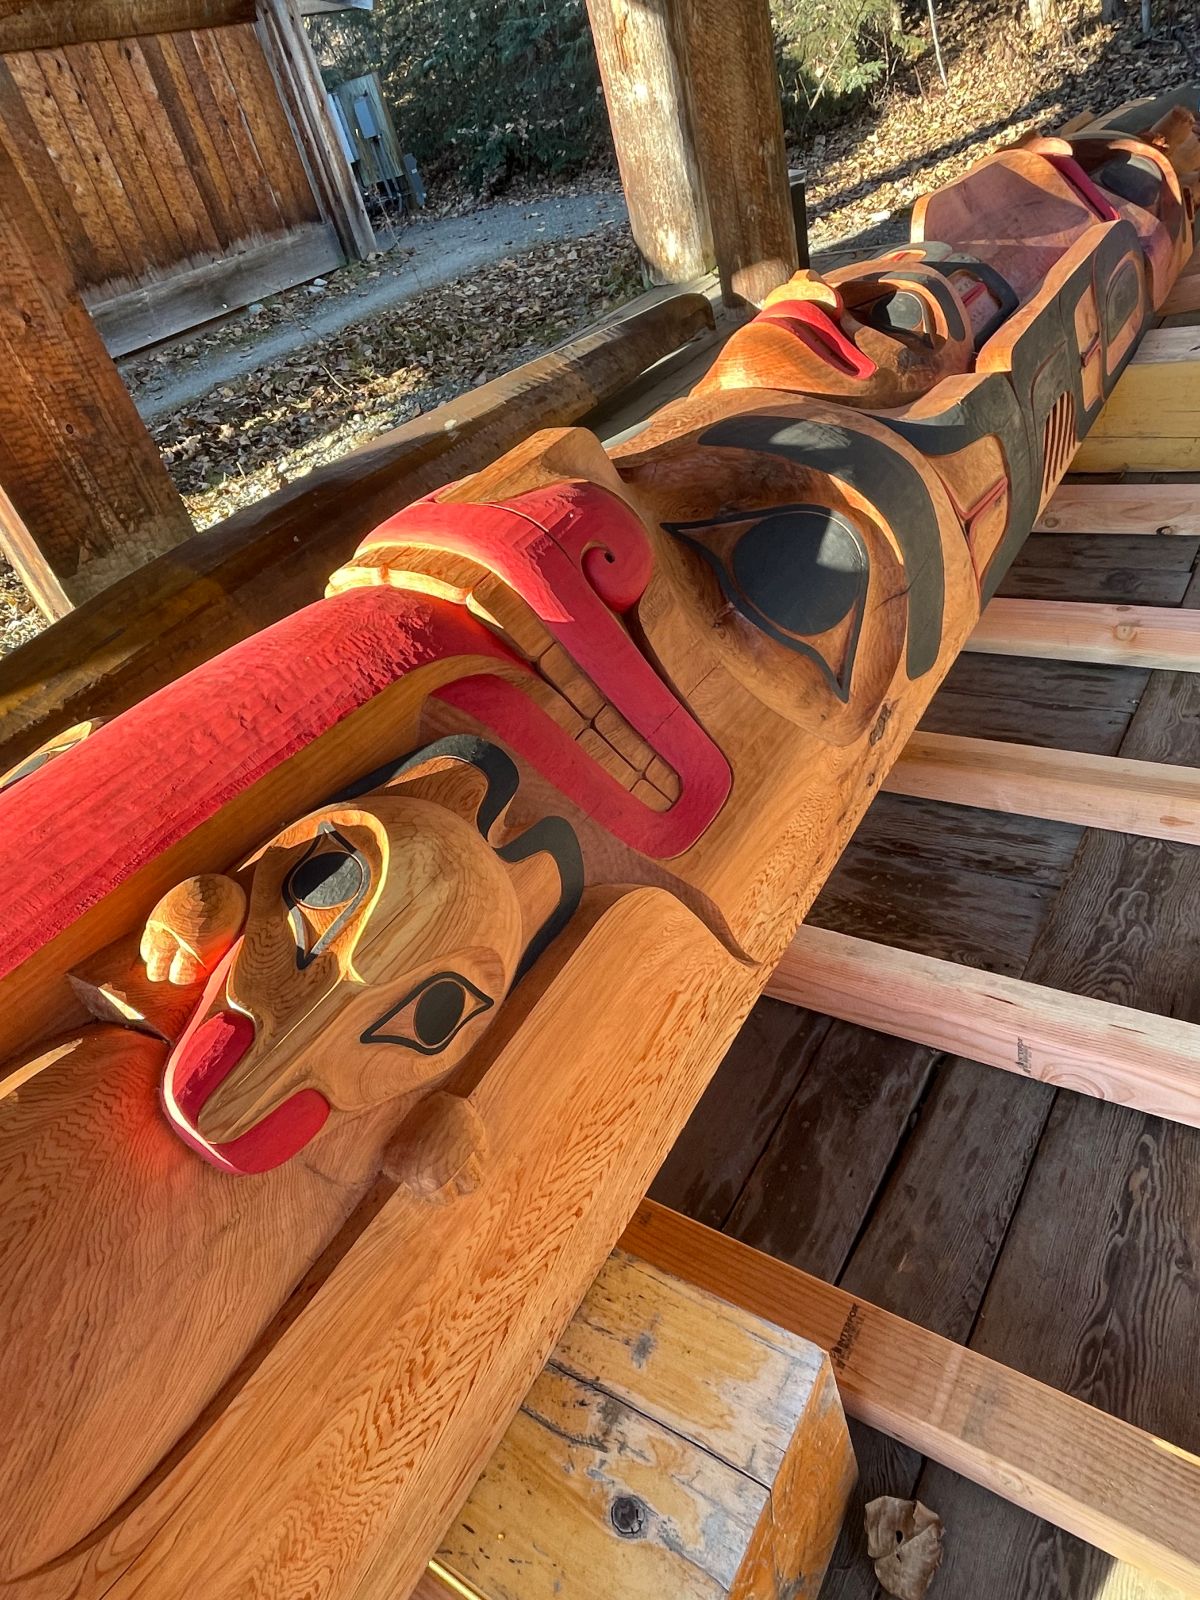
{"x": 331, "y": 876}
{"x": 430, "y": 1016}
{"x": 799, "y": 573}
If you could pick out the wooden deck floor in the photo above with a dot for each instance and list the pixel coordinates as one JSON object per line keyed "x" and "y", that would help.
{"x": 1055, "y": 1233}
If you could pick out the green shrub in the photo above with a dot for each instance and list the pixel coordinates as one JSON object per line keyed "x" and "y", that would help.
{"x": 488, "y": 88}
{"x": 832, "y": 53}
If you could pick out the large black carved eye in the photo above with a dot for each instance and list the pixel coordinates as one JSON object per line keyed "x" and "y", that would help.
{"x": 430, "y": 1015}
{"x": 797, "y": 572}
{"x": 331, "y": 876}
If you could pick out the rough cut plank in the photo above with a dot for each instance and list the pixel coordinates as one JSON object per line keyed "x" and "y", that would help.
{"x": 933, "y": 905}
{"x": 815, "y": 1180}
{"x": 1072, "y": 1041}
{"x": 276, "y": 556}
{"x": 645, "y": 90}
{"x": 1006, "y": 847}
{"x": 1060, "y": 704}
{"x": 711, "y": 1160}
{"x": 88, "y": 498}
{"x": 1110, "y": 1483}
{"x": 1144, "y": 797}
{"x": 1066, "y": 630}
{"x": 34, "y": 25}
{"x": 1122, "y": 508}
{"x": 722, "y": 1433}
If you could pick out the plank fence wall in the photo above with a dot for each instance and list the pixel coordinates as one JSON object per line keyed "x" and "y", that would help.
{"x": 171, "y": 171}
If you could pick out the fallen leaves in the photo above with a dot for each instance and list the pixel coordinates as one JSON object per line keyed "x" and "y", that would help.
{"x": 249, "y": 436}
{"x": 904, "y": 1540}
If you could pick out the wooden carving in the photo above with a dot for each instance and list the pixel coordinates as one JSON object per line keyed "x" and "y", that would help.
{"x": 452, "y": 887}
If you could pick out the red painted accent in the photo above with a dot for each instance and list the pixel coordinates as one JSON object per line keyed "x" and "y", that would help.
{"x": 213, "y": 1044}
{"x": 816, "y": 329}
{"x": 1094, "y": 198}
{"x": 576, "y": 554}
{"x": 74, "y": 830}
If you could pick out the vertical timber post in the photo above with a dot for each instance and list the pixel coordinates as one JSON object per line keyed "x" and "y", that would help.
{"x": 646, "y": 95}
{"x": 84, "y": 495}
{"x": 733, "y": 93}
{"x": 693, "y": 98}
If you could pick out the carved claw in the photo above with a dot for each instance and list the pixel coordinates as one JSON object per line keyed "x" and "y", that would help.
{"x": 192, "y": 927}
{"x": 439, "y": 1151}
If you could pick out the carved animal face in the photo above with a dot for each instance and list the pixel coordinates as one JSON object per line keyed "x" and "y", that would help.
{"x": 381, "y": 937}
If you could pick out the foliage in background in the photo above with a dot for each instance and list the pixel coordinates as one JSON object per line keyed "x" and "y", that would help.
{"x": 491, "y": 89}
{"x": 486, "y": 88}
{"x": 832, "y": 54}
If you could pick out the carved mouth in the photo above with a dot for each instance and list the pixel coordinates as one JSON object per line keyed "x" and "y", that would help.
{"x": 208, "y": 1052}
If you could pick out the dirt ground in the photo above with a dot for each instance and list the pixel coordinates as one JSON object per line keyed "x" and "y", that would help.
{"x": 266, "y": 427}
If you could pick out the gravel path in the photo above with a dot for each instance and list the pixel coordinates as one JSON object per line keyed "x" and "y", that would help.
{"x": 440, "y": 249}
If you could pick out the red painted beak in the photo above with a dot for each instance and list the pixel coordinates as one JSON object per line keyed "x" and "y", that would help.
{"x": 209, "y": 1050}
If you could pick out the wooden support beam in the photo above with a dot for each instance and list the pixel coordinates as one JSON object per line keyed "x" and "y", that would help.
{"x": 673, "y": 1445}
{"x": 728, "y": 56}
{"x": 302, "y": 93}
{"x": 1076, "y": 630}
{"x": 36, "y": 25}
{"x": 1152, "y": 798}
{"x": 1123, "y": 1490}
{"x": 1111, "y": 1052}
{"x": 646, "y": 93}
{"x": 276, "y": 556}
{"x": 1151, "y": 422}
{"x": 1123, "y": 508}
{"x": 84, "y": 496}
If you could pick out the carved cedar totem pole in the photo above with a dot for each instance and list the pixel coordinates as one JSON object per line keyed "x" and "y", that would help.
{"x": 568, "y": 749}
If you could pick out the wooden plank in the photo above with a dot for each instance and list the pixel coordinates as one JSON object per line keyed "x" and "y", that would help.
{"x": 163, "y": 241}
{"x": 134, "y": 83}
{"x": 1149, "y": 423}
{"x": 91, "y": 497}
{"x": 259, "y": 101}
{"x": 199, "y": 142}
{"x": 1169, "y": 509}
{"x": 102, "y": 255}
{"x": 1065, "y": 630}
{"x": 302, "y": 93}
{"x": 645, "y": 89}
{"x": 713, "y": 1157}
{"x": 1121, "y": 1489}
{"x": 1060, "y": 704}
{"x": 727, "y": 51}
{"x": 719, "y": 1435}
{"x": 188, "y": 298}
{"x": 1146, "y": 797}
{"x": 37, "y": 167}
{"x": 276, "y": 556}
{"x": 218, "y": 104}
{"x": 1074, "y": 1042}
{"x": 34, "y": 25}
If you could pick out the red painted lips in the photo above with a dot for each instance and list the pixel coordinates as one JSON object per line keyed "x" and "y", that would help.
{"x": 207, "y": 1053}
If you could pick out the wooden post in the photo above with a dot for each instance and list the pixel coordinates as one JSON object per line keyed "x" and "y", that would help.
{"x": 693, "y": 99}
{"x": 302, "y": 93}
{"x": 733, "y": 93}
{"x": 84, "y": 495}
{"x": 647, "y": 106}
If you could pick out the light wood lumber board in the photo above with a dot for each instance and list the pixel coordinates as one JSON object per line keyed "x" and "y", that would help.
{"x": 1123, "y": 508}
{"x": 1135, "y": 1058}
{"x": 1152, "y": 798}
{"x": 34, "y": 25}
{"x": 1123, "y": 1490}
{"x": 1159, "y": 637}
{"x": 1151, "y": 421}
{"x": 723, "y": 1430}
